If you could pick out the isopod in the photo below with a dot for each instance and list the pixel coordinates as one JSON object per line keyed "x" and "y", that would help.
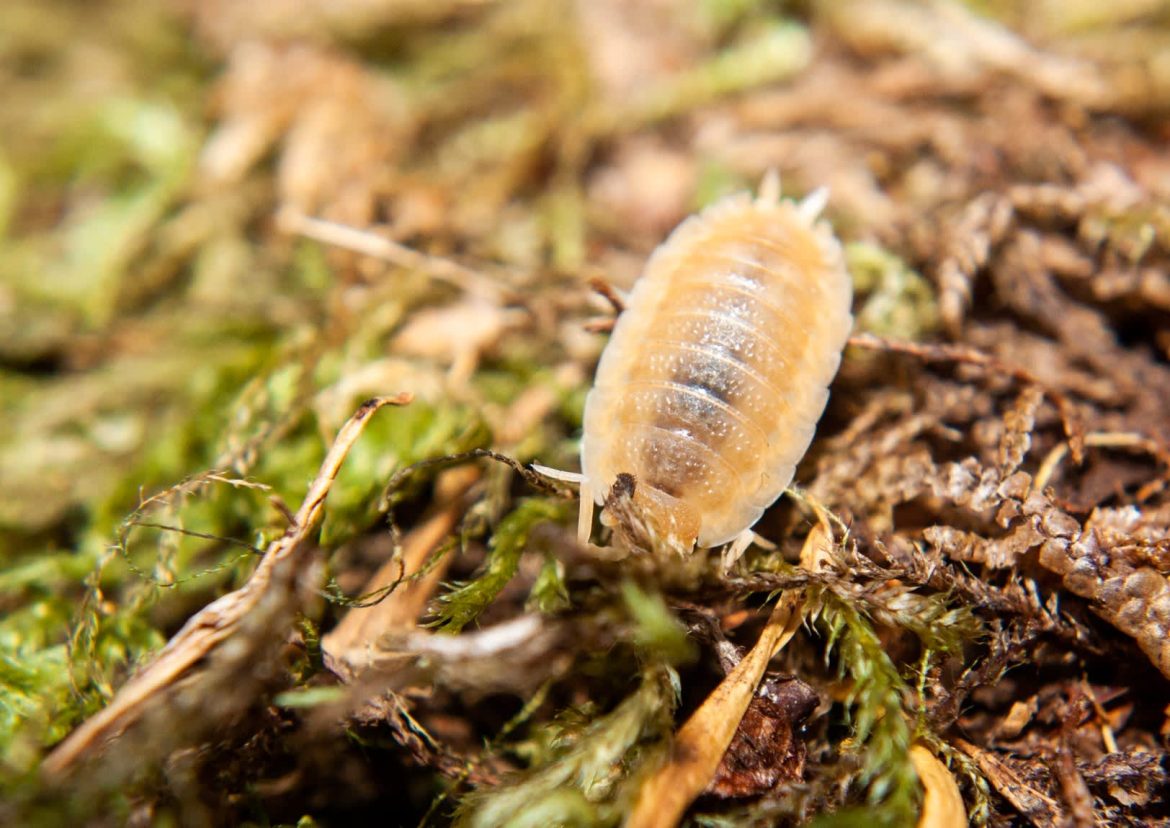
{"x": 710, "y": 388}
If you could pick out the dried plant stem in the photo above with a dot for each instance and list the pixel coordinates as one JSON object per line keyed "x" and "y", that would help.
{"x": 942, "y": 805}
{"x": 936, "y": 352}
{"x": 1096, "y": 439}
{"x": 216, "y": 623}
{"x": 702, "y": 741}
{"x": 348, "y": 646}
{"x": 371, "y": 244}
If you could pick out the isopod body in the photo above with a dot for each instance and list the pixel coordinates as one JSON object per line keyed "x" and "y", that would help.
{"x": 718, "y": 369}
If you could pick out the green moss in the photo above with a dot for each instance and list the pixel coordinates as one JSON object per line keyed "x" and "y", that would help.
{"x": 656, "y": 630}
{"x": 550, "y": 593}
{"x": 875, "y": 712}
{"x": 461, "y": 605}
{"x": 717, "y": 180}
{"x": 407, "y": 435}
{"x": 579, "y": 783}
{"x": 897, "y": 301}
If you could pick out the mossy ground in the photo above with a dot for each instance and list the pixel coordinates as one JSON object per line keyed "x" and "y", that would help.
{"x": 178, "y": 350}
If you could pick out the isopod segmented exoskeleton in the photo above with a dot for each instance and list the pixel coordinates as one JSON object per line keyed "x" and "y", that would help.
{"x": 710, "y": 388}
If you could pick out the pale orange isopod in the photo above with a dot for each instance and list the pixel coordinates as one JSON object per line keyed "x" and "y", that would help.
{"x": 717, "y": 371}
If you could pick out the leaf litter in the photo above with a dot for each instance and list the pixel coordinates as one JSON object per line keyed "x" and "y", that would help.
{"x": 226, "y": 225}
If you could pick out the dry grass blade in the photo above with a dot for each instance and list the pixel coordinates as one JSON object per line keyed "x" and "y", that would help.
{"x": 702, "y": 741}
{"x": 1136, "y": 443}
{"x": 347, "y": 646}
{"x": 942, "y": 806}
{"x": 371, "y": 244}
{"x": 217, "y": 622}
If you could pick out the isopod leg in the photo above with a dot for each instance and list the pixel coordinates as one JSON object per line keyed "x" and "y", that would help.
{"x": 734, "y": 550}
{"x": 585, "y": 516}
{"x": 763, "y": 543}
{"x": 618, "y": 299}
{"x": 600, "y": 325}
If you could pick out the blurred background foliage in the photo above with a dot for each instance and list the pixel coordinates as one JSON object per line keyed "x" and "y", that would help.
{"x": 176, "y": 354}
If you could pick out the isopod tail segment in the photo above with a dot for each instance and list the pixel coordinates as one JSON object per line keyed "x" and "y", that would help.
{"x": 810, "y": 207}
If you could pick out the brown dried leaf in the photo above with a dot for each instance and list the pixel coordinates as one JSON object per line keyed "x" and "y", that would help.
{"x": 1041, "y": 809}
{"x": 767, "y": 749}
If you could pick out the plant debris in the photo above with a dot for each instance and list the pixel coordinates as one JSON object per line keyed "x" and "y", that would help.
{"x": 223, "y": 226}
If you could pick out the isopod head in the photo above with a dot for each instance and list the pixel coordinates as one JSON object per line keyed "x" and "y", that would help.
{"x": 646, "y": 518}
